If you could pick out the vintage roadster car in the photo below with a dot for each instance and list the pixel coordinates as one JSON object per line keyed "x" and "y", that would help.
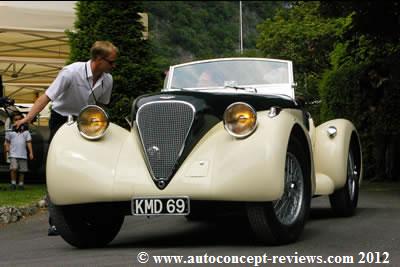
{"x": 223, "y": 134}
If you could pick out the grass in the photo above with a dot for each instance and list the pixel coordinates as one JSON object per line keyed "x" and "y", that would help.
{"x": 31, "y": 195}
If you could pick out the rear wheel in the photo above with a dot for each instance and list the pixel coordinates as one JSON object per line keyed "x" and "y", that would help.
{"x": 282, "y": 221}
{"x": 344, "y": 201}
{"x": 84, "y": 227}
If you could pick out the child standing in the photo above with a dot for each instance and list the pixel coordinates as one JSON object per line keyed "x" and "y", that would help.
{"x": 16, "y": 142}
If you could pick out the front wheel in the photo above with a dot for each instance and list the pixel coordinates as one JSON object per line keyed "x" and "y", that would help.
{"x": 344, "y": 200}
{"x": 84, "y": 227}
{"x": 282, "y": 221}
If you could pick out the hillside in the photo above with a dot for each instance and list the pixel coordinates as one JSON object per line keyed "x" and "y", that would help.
{"x": 181, "y": 31}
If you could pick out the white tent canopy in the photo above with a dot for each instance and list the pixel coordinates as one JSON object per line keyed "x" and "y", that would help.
{"x": 33, "y": 45}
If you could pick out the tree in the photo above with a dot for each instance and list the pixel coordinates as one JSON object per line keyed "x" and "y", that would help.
{"x": 372, "y": 36}
{"x": 300, "y": 34}
{"x": 118, "y": 22}
{"x": 377, "y": 20}
{"x": 182, "y": 31}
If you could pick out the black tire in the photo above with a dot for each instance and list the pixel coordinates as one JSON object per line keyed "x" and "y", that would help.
{"x": 277, "y": 228}
{"x": 199, "y": 217}
{"x": 202, "y": 212}
{"x": 344, "y": 200}
{"x": 85, "y": 227}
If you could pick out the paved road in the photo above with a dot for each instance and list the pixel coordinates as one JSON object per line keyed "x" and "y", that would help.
{"x": 375, "y": 228}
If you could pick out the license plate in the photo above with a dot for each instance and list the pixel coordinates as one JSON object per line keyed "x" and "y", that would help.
{"x": 160, "y": 206}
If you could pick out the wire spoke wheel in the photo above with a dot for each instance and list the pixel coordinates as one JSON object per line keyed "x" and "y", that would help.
{"x": 344, "y": 200}
{"x": 352, "y": 176}
{"x": 282, "y": 221}
{"x": 287, "y": 208}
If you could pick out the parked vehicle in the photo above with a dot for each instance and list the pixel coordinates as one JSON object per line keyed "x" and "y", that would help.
{"x": 222, "y": 133}
{"x": 40, "y": 137}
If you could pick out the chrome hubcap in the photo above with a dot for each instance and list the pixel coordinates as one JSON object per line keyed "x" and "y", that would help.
{"x": 287, "y": 208}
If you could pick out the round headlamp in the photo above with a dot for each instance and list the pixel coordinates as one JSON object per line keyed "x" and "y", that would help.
{"x": 92, "y": 122}
{"x": 240, "y": 119}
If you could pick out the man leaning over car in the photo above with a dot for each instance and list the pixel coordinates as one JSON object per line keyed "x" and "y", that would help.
{"x": 77, "y": 85}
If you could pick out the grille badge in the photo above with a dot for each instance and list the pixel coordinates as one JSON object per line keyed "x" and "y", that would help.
{"x": 153, "y": 151}
{"x": 167, "y": 97}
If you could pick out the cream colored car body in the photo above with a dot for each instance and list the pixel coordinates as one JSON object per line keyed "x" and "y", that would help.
{"x": 220, "y": 167}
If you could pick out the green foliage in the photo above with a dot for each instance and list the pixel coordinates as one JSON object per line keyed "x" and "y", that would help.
{"x": 331, "y": 45}
{"x": 361, "y": 49}
{"x": 343, "y": 96}
{"x": 341, "y": 93}
{"x": 182, "y": 31}
{"x": 345, "y": 93}
{"x": 378, "y": 20}
{"x": 118, "y": 22}
{"x": 300, "y": 34}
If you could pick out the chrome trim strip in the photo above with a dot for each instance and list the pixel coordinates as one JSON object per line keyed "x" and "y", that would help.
{"x": 70, "y": 120}
{"x": 232, "y": 59}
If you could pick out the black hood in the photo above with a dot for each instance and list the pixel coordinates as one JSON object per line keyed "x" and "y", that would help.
{"x": 214, "y": 104}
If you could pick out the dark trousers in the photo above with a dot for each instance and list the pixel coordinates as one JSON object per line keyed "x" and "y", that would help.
{"x": 55, "y": 122}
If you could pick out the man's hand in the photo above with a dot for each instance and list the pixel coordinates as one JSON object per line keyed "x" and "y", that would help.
{"x": 38, "y": 106}
{"x": 18, "y": 123}
{"x": 31, "y": 157}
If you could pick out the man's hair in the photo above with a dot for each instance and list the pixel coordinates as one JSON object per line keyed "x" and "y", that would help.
{"x": 101, "y": 49}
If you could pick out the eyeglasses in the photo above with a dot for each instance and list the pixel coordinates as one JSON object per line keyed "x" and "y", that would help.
{"x": 111, "y": 62}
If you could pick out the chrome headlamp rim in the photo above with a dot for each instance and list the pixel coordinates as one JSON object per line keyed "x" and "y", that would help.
{"x": 240, "y": 136}
{"x": 79, "y": 127}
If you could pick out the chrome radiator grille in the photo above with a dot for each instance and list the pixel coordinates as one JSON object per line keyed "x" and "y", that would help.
{"x": 163, "y": 128}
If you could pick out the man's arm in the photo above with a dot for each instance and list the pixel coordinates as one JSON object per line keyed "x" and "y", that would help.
{"x": 39, "y": 105}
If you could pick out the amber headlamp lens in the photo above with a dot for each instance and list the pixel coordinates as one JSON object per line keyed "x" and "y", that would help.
{"x": 93, "y": 122}
{"x": 240, "y": 119}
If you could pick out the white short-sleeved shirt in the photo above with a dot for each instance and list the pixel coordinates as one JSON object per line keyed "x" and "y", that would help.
{"x": 72, "y": 89}
{"x": 18, "y": 143}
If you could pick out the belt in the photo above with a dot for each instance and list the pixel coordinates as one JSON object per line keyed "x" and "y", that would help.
{"x": 57, "y": 116}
